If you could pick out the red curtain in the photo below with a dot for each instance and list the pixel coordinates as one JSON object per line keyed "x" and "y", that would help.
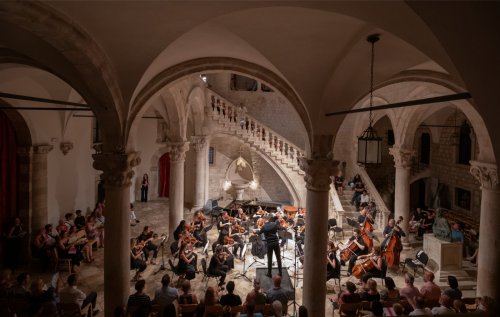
{"x": 8, "y": 173}
{"x": 164, "y": 166}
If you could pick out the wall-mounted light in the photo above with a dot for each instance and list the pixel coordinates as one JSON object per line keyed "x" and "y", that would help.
{"x": 227, "y": 184}
{"x": 254, "y": 184}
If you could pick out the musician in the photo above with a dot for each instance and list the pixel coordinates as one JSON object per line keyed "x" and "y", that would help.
{"x": 356, "y": 238}
{"x": 260, "y": 212}
{"x": 218, "y": 265}
{"x": 136, "y": 261}
{"x": 364, "y": 215}
{"x": 146, "y": 239}
{"x": 300, "y": 213}
{"x": 394, "y": 228}
{"x": 237, "y": 242}
{"x": 187, "y": 261}
{"x": 270, "y": 230}
{"x": 333, "y": 263}
{"x": 180, "y": 228}
{"x": 241, "y": 216}
{"x": 199, "y": 225}
{"x": 378, "y": 262}
{"x": 416, "y": 220}
{"x": 426, "y": 225}
{"x": 223, "y": 225}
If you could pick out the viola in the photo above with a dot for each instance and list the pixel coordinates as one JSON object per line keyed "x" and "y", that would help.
{"x": 361, "y": 268}
{"x": 393, "y": 247}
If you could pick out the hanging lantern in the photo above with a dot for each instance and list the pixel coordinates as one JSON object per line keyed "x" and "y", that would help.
{"x": 369, "y": 143}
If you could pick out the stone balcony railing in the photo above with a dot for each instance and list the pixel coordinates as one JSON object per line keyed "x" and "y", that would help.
{"x": 237, "y": 120}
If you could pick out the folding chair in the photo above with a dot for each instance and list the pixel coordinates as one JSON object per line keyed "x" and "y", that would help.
{"x": 207, "y": 276}
{"x": 332, "y": 226}
{"x": 420, "y": 261}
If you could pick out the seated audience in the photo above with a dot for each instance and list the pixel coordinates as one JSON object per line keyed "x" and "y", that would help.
{"x": 133, "y": 218}
{"x": 165, "y": 295}
{"x": 22, "y": 287}
{"x": 139, "y": 304}
{"x": 348, "y": 296}
{"x": 71, "y": 294}
{"x": 211, "y": 298}
{"x": 420, "y": 309}
{"x": 303, "y": 311}
{"x": 79, "y": 220}
{"x": 250, "y": 311}
{"x": 276, "y": 293}
{"x": 277, "y": 308}
{"x": 187, "y": 296}
{"x": 43, "y": 301}
{"x": 459, "y": 306}
{"x": 5, "y": 283}
{"x": 430, "y": 291}
{"x": 453, "y": 292}
{"x": 390, "y": 292}
{"x": 409, "y": 291}
{"x": 230, "y": 299}
{"x": 398, "y": 309}
{"x": 371, "y": 294}
{"x": 485, "y": 304}
{"x": 377, "y": 308}
{"x": 256, "y": 296}
{"x": 446, "y": 306}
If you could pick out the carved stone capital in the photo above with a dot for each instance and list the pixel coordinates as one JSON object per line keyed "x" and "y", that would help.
{"x": 485, "y": 173}
{"x": 318, "y": 173}
{"x": 116, "y": 167}
{"x": 198, "y": 142}
{"x": 66, "y": 147}
{"x": 42, "y": 148}
{"x": 402, "y": 157}
{"x": 177, "y": 151}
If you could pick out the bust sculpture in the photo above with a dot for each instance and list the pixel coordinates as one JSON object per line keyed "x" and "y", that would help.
{"x": 441, "y": 227}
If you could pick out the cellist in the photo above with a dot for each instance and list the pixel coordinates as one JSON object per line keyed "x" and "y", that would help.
{"x": 378, "y": 262}
{"x": 364, "y": 215}
{"x": 362, "y": 249}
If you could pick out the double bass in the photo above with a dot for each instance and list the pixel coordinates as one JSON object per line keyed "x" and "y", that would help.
{"x": 393, "y": 247}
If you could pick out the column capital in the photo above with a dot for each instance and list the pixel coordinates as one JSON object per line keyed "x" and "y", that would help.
{"x": 402, "y": 157}
{"x": 66, "y": 147}
{"x": 42, "y": 148}
{"x": 485, "y": 173}
{"x": 177, "y": 151}
{"x": 198, "y": 142}
{"x": 116, "y": 167}
{"x": 318, "y": 173}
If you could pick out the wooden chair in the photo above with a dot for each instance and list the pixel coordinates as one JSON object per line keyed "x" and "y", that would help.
{"x": 64, "y": 263}
{"x": 74, "y": 310}
{"x": 237, "y": 309}
{"x": 214, "y": 310}
{"x": 350, "y": 309}
{"x": 187, "y": 309}
{"x": 156, "y": 310}
{"x": 432, "y": 303}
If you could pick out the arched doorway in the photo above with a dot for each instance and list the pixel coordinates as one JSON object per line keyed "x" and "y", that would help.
{"x": 8, "y": 176}
{"x": 164, "y": 175}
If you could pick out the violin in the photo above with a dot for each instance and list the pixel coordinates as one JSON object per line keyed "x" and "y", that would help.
{"x": 260, "y": 223}
{"x": 238, "y": 228}
{"x": 228, "y": 240}
{"x": 284, "y": 224}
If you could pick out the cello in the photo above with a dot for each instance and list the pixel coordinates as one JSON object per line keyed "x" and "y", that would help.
{"x": 366, "y": 228}
{"x": 361, "y": 268}
{"x": 393, "y": 247}
{"x": 347, "y": 252}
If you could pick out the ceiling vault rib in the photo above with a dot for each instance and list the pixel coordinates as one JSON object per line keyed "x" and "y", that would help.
{"x": 43, "y": 100}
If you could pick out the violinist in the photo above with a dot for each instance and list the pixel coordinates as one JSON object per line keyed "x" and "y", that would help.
{"x": 198, "y": 224}
{"x": 218, "y": 265}
{"x": 394, "y": 228}
{"x": 136, "y": 261}
{"x": 237, "y": 242}
{"x": 332, "y": 262}
{"x": 241, "y": 215}
{"x": 187, "y": 261}
{"x": 270, "y": 230}
{"x": 146, "y": 239}
{"x": 376, "y": 258}
{"x": 362, "y": 249}
{"x": 224, "y": 225}
{"x": 260, "y": 212}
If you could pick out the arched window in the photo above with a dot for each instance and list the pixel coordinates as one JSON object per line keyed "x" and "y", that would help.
{"x": 425, "y": 148}
{"x": 464, "y": 144}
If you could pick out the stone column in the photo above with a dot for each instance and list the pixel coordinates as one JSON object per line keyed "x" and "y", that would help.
{"x": 117, "y": 174}
{"x": 318, "y": 171}
{"x": 39, "y": 185}
{"x": 176, "y": 196}
{"x": 402, "y": 160}
{"x": 488, "y": 275}
{"x": 199, "y": 144}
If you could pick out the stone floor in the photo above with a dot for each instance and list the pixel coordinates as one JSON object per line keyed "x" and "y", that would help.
{"x": 155, "y": 214}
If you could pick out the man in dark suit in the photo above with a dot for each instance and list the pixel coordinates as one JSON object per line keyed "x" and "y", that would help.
{"x": 270, "y": 231}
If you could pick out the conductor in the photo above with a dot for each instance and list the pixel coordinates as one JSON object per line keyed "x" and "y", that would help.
{"x": 270, "y": 230}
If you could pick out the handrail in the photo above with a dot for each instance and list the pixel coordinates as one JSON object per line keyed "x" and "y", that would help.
{"x": 335, "y": 206}
{"x": 220, "y": 105}
{"x": 383, "y": 211}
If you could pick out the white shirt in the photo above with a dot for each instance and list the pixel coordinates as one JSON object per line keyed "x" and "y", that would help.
{"x": 421, "y": 312}
{"x": 365, "y": 198}
{"x": 71, "y": 294}
{"x": 442, "y": 310}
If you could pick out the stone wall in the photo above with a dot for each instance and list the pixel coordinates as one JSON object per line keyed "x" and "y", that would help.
{"x": 270, "y": 108}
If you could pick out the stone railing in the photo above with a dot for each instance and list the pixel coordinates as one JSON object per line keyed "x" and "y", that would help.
{"x": 383, "y": 211}
{"x": 259, "y": 134}
{"x": 335, "y": 208}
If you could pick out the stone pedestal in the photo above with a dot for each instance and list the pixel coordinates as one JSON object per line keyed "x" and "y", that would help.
{"x": 176, "y": 196}
{"x": 402, "y": 160}
{"x": 447, "y": 255}
{"x": 117, "y": 173}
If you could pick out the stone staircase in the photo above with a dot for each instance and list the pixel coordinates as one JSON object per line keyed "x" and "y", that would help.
{"x": 274, "y": 148}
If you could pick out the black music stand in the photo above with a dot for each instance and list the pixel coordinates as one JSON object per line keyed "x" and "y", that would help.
{"x": 254, "y": 256}
{"x": 284, "y": 234}
{"x": 162, "y": 246}
{"x": 353, "y": 223}
{"x": 243, "y": 274}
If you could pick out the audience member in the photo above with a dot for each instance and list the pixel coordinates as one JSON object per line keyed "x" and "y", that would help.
{"x": 276, "y": 293}
{"x": 485, "y": 304}
{"x": 457, "y": 235}
{"x": 371, "y": 294}
{"x": 278, "y": 308}
{"x": 348, "y": 296}
{"x": 420, "y": 309}
{"x": 377, "y": 308}
{"x": 43, "y": 301}
{"x": 250, "y": 311}
{"x": 69, "y": 221}
{"x": 165, "y": 295}
{"x": 71, "y": 294}
{"x": 398, "y": 309}
{"x": 430, "y": 291}
{"x": 139, "y": 304}
{"x": 133, "y": 217}
{"x": 187, "y": 296}
{"x": 211, "y": 298}
{"x": 453, "y": 292}
{"x": 446, "y": 306}
{"x": 5, "y": 283}
{"x": 390, "y": 292}
{"x": 230, "y": 299}
{"x": 22, "y": 287}
{"x": 14, "y": 243}
{"x": 79, "y": 220}
{"x": 303, "y": 311}
{"x": 409, "y": 291}
{"x": 256, "y": 296}
{"x": 459, "y": 306}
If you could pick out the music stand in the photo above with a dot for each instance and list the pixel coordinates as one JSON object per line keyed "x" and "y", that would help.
{"x": 252, "y": 240}
{"x": 353, "y": 223}
{"x": 162, "y": 244}
{"x": 284, "y": 234}
{"x": 245, "y": 270}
